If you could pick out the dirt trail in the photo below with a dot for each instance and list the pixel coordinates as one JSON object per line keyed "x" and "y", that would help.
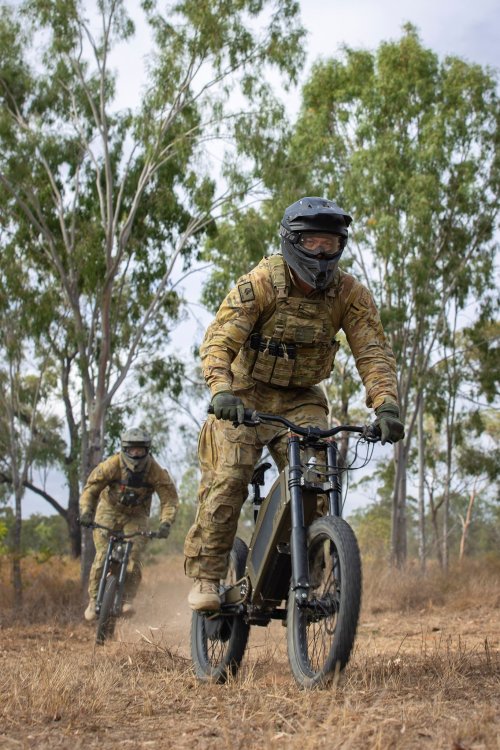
{"x": 426, "y": 679}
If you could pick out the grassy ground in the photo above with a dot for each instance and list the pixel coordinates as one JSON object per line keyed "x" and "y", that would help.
{"x": 425, "y": 672}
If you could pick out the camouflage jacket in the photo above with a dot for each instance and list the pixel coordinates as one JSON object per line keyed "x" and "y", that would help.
{"x": 268, "y": 329}
{"x": 113, "y": 483}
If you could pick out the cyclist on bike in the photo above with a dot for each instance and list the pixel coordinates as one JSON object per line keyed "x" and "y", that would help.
{"x": 271, "y": 343}
{"x": 121, "y": 489}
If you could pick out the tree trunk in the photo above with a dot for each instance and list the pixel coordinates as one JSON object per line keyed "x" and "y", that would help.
{"x": 435, "y": 526}
{"x": 398, "y": 541}
{"x": 74, "y": 530}
{"x": 421, "y": 487}
{"x": 466, "y": 523}
{"x": 446, "y": 503}
{"x": 90, "y": 459}
{"x": 17, "y": 582}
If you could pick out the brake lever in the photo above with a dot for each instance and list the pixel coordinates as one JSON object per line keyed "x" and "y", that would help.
{"x": 372, "y": 433}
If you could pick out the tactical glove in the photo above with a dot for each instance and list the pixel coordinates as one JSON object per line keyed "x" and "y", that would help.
{"x": 163, "y": 530}
{"x": 86, "y": 518}
{"x": 391, "y": 428}
{"x": 228, "y": 406}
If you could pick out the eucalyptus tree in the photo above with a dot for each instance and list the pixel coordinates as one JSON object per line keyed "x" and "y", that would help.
{"x": 106, "y": 201}
{"x": 408, "y": 144}
{"x": 29, "y": 428}
{"x": 110, "y": 203}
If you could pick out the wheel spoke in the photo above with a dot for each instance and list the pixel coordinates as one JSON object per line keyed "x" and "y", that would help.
{"x": 319, "y": 620}
{"x": 218, "y": 642}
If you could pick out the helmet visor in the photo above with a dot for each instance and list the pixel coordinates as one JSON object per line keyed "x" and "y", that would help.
{"x": 321, "y": 243}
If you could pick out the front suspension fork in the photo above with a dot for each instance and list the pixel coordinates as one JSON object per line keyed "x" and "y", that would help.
{"x": 298, "y": 539}
{"x": 122, "y": 574}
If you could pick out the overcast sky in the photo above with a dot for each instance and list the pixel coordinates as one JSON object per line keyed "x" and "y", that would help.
{"x": 457, "y": 27}
{"x": 467, "y": 29}
{"x": 449, "y": 27}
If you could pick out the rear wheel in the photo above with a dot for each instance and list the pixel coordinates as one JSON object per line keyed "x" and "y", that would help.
{"x": 321, "y": 633}
{"x": 218, "y": 642}
{"x": 107, "y": 617}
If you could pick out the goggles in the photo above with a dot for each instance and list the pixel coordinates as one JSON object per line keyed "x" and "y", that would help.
{"x": 319, "y": 243}
{"x": 135, "y": 451}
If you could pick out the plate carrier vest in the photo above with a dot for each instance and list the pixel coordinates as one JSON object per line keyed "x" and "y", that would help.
{"x": 295, "y": 346}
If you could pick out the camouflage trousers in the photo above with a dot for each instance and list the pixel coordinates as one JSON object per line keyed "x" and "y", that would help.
{"x": 227, "y": 458}
{"x": 121, "y": 520}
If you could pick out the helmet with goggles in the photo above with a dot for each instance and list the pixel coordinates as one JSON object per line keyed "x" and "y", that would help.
{"x": 135, "y": 445}
{"x": 313, "y": 233}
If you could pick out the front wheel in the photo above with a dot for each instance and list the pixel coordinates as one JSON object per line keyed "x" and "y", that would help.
{"x": 107, "y": 617}
{"x": 218, "y": 642}
{"x": 321, "y": 633}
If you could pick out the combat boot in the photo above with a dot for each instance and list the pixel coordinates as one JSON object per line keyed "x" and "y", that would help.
{"x": 90, "y": 613}
{"x": 204, "y": 595}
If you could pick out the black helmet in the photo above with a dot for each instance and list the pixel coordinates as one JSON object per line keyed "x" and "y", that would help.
{"x": 313, "y": 215}
{"x": 133, "y": 438}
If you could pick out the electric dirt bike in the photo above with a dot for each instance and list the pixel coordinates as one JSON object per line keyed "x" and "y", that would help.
{"x": 299, "y": 568}
{"x": 109, "y": 602}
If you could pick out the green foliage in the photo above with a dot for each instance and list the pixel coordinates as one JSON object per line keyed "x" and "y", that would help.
{"x": 100, "y": 208}
{"x": 234, "y": 250}
{"x": 372, "y": 526}
{"x": 408, "y": 144}
{"x": 42, "y": 536}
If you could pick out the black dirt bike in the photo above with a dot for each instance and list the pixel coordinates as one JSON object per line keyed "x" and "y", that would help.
{"x": 311, "y": 563}
{"x": 109, "y": 602}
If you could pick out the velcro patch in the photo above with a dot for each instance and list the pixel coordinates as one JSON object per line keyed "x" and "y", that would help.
{"x": 246, "y": 291}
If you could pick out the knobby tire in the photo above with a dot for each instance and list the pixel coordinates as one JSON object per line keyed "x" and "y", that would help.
{"x": 320, "y": 636}
{"x": 218, "y": 644}
{"x": 107, "y": 618}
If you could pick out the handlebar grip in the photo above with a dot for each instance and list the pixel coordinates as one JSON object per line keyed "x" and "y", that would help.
{"x": 248, "y": 417}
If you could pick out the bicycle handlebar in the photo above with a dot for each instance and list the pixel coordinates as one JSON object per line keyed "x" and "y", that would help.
{"x": 121, "y": 535}
{"x": 370, "y": 432}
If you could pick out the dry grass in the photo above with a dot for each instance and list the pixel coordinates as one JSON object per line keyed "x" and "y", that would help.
{"x": 425, "y": 674}
{"x": 51, "y": 591}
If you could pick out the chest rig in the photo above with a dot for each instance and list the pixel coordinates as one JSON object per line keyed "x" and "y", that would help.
{"x": 295, "y": 345}
{"x": 132, "y": 490}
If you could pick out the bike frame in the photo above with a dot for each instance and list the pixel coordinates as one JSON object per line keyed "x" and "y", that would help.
{"x": 277, "y": 558}
{"x": 109, "y": 563}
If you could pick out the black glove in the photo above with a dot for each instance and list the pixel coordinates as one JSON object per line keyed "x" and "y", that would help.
{"x": 228, "y": 406}
{"x": 391, "y": 427}
{"x": 86, "y": 518}
{"x": 163, "y": 530}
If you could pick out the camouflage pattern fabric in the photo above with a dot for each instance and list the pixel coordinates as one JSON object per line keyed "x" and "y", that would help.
{"x": 227, "y": 458}
{"x": 106, "y": 489}
{"x": 112, "y": 517}
{"x": 270, "y": 344}
{"x": 267, "y": 301}
{"x": 110, "y": 479}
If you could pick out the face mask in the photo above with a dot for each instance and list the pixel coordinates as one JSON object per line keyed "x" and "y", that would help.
{"x": 317, "y": 272}
{"x": 135, "y": 464}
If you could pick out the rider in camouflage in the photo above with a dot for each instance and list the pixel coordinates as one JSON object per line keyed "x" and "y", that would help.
{"x": 272, "y": 342}
{"x": 121, "y": 489}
